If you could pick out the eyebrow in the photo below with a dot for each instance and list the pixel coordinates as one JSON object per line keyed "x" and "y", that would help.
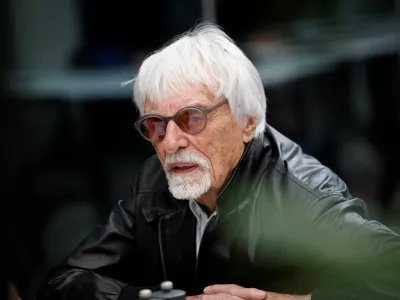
{"x": 198, "y": 104}
{"x": 195, "y": 103}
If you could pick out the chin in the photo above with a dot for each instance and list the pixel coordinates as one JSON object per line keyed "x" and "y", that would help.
{"x": 184, "y": 187}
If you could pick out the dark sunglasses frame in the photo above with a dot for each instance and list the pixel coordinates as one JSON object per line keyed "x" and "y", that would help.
{"x": 203, "y": 111}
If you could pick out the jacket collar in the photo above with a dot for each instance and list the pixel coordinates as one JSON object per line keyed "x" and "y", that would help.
{"x": 242, "y": 186}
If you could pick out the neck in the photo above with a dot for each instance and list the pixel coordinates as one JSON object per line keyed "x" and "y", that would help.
{"x": 208, "y": 200}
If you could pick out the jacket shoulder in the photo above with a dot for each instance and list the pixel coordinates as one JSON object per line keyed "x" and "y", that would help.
{"x": 305, "y": 170}
{"x": 151, "y": 176}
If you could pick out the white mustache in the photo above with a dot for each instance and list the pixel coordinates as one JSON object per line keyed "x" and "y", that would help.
{"x": 185, "y": 156}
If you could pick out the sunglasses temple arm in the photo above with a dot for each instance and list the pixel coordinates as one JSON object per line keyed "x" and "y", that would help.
{"x": 215, "y": 106}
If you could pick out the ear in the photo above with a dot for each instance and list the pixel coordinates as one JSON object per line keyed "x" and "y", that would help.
{"x": 249, "y": 130}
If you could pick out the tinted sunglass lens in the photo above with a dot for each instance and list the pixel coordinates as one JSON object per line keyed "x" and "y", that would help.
{"x": 152, "y": 128}
{"x": 191, "y": 120}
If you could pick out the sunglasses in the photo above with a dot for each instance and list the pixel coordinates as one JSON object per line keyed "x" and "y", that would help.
{"x": 191, "y": 120}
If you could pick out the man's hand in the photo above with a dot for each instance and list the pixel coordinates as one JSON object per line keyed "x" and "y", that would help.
{"x": 197, "y": 297}
{"x": 235, "y": 292}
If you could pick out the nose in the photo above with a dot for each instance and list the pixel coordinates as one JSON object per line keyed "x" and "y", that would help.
{"x": 174, "y": 138}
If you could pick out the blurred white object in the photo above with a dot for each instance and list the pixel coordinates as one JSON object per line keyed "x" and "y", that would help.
{"x": 145, "y": 294}
{"x": 166, "y": 286}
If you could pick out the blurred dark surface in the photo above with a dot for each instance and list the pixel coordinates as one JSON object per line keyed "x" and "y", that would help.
{"x": 68, "y": 159}
{"x": 6, "y": 63}
{"x": 149, "y": 23}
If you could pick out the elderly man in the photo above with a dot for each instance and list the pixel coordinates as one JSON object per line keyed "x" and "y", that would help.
{"x": 229, "y": 208}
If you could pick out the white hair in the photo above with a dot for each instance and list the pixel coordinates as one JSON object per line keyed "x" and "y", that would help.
{"x": 204, "y": 56}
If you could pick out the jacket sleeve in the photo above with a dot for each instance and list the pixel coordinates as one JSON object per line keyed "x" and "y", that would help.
{"x": 361, "y": 256}
{"x": 98, "y": 268}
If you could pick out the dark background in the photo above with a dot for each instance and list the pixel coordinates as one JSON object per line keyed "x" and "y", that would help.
{"x": 331, "y": 71}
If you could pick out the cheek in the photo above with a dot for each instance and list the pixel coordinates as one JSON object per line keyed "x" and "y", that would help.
{"x": 222, "y": 165}
{"x": 229, "y": 149}
{"x": 160, "y": 153}
{"x": 221, "y": 156}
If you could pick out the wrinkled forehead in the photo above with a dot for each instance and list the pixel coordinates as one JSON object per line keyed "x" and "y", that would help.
{"x": 199, "y": 96}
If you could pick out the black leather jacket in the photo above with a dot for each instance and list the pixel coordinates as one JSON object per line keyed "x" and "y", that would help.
{"x": 285, "y": 223}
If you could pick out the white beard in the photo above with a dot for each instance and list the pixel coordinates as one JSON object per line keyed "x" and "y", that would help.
{"x": 192, "y": 185}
